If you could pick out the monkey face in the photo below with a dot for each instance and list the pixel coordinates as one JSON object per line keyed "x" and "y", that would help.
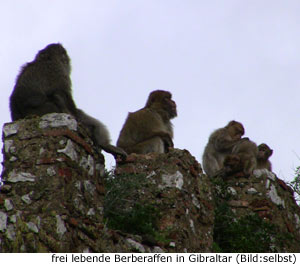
{"x": 239, "y": 130}
{"x": 162, "y": 100}
{"x": 236, "y": 130}
{"x": 170, "y": 106}
{"x": 264, "y": 151}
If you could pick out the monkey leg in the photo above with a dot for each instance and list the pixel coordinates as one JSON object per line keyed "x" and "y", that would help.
{"x": 36, "y": 104}
{"x": 249, "y": 164}
{"x": 155, "y": 144}
{"x": 211, "y": 165}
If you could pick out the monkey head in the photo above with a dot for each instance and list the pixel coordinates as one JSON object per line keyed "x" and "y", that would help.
{"x": 55, "y": 52}
{"x": 235, "y": 129}
{"x": 264, "y": 152}
{"x": 160, "y": 99}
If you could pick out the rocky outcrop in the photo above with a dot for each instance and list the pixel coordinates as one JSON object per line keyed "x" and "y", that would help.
{"x": 265, "y": 202}
{"x": 57, "y": 197}
{"x": 52, "y": 186}
{"x": 53, "y": 195}
{"x": 182, "y": 195}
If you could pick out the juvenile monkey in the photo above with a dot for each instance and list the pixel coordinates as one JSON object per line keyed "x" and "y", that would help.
{"x": 150, "y": 129}
{"x": 44, "y": 86}
{"x": 264, "y": 153}
{"x": 232, "y": 165}
{"x": 247, "y": 151}
{"x": 220, "y": 144}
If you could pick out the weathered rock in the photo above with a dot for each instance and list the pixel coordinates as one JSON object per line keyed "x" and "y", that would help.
{"x": 52, "y": 199}
{"x": 175, "y": 185}
{"x": 46, "y": 186}
{"x": 55, "y": 196}
{"x": 271, "y": 199}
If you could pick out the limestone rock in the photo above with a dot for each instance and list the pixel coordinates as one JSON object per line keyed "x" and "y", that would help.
{"x": 181, "y": 194}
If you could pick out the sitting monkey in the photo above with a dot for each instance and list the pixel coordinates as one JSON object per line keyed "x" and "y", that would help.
{"x": 150, "y": 129}
{"x": 264, "y": 153}
{"x": 220, "y": 144}
{"x": 44, "y": 86}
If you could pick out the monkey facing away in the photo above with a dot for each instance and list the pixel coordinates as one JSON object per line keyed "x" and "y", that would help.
{"x": 247, "y": 152}
{"x": 44, "y": 86}
{"x": 150, "y": 129}
{"x": 264, "y": 153}
{"x": 220, "y": 144}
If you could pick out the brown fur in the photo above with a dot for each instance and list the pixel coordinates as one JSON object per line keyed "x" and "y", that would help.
{"x": 247, "y": 152}
{"x": 220, "y": 144}
{"x": 264, "y": 153}
{"x": 44, "y": 86}
{"x": 150, "y": 129}
{"x": 232, "y": 165}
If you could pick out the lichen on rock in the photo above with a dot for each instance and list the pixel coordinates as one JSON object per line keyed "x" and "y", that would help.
{"x": 171, "y": 191}
{"x": 42, "y": 181}
{"x": 257, "y": 218}
{"x": 57, "y": 197}
{"x": 15, "y": 177}
{"x": 55, "y": 120}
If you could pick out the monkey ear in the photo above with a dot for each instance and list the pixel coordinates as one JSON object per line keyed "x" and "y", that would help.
{"x": 271, "y": 152}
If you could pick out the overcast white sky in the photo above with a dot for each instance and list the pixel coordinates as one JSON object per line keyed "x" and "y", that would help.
{"x": 222, "y": 60}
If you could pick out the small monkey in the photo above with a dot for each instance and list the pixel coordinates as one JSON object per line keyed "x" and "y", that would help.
{"x": 247, "y": 151}
{"x": 220, "y": 144}
{"x": 232, "y": 165}
{"x": 150, "y": 129}
{"x": 44, "y": 86}
{"x": 264, "y": 153}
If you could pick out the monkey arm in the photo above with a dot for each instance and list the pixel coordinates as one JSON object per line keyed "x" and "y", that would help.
{"x": 166, "y": 138}
{"x": 26, "y": 101}
{"x": 155, "y": 128}
{"x": 151, "y": 125}
{"x": 222, "y": 141}
{"x": 27, "y": 96}
{"x": 64, "y": 102}
{"x": 224, "y": 145}
{"x": 145, "y": 131}
{"x": 159, "y": 141}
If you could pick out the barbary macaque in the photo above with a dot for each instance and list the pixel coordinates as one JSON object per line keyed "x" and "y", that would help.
{"x": 247, "y": 151}
{"x": 44, "y": 86}
{"x": 150, "y": 129}
{"x": 220, "y": 144}
{"x": 264, "y": 153}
